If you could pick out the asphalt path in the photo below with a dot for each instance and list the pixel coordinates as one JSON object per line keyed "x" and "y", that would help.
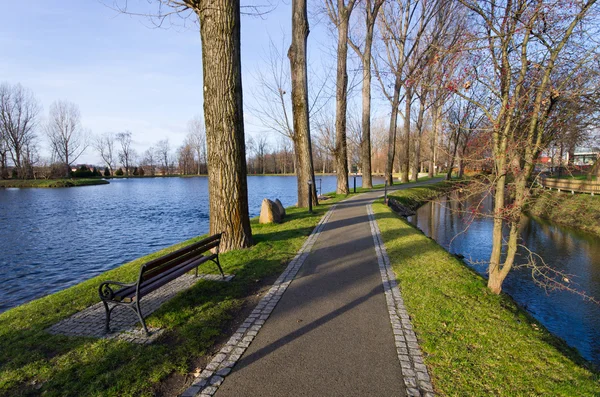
{"x": 330, "y": 334}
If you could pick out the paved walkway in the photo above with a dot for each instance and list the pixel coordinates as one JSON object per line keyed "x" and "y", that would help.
{"x": 340, "y": 329}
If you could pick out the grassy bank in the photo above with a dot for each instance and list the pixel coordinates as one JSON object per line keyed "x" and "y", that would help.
{"x": 46, "y": 183}
{"x": 33, "y": 362}
{"x": 580, "y": 211}
{"x": 474, "y": 343}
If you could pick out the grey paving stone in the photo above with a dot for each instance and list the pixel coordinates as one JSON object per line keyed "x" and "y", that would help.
{"x": 191, "y": 392}
{"x": 124, "y": 322}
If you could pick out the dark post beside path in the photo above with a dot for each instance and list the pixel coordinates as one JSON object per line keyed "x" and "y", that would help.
{"x": 310, "y": 197}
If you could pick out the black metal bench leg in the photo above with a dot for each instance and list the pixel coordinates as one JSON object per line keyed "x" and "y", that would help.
{"x": 106, "y": 325}
{"x": 141, "y": 317}
{"x": 219, "y": 266}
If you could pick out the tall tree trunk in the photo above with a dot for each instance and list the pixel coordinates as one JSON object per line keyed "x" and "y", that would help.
{"x": 223, "y": 112}
{"x": 341, "y": 100}
{"x": 365, "y": 56}
{"x": 302, "y": 142}
{"x": 389, "y": 165}
{"x": 419, "y": 134}
{"x": 405, "y": 158}
{"x": 367, "y": 181}
{"x": 434, "y": 136}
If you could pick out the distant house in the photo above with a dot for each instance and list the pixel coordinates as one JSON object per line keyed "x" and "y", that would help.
{"x": 586, "y": 156}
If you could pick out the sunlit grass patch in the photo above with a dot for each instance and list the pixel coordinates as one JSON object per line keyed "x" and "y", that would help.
{"x": 475, "y": 343}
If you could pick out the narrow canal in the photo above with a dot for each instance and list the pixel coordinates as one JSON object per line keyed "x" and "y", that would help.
{"x": 450, "y": 222}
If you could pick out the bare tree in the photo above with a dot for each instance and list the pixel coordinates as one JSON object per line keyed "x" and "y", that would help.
{"x": 339, "y": 13}
{"x": 261, "y": 148}
{"x": 371, "y": 9}
{"x": 105, "y": 146}
{"x": 163, "y": 152}
{"x": 3, "y": 154}
{"x": 126, "y": 152}
{"x": 523, "y": 46}
{"x": 149, "y": 160}
{"x": 402, "y": 25}
{"x": 197, "y": 139}
{"x": 66, "y": 134}
{"x": 185, "y": 158}
{"x": 284, "y": 113}
{"x": 19, "y": 110}
{"x": 302, "y": 141}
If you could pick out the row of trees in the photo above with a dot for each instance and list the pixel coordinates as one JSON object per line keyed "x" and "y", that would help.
{"x": 502, "y": 78}
{"x": 491, "y": 83}
{"x": 190, "y": 158}
{"x": 20, "y": 141}
{"x": 19, "y": 126}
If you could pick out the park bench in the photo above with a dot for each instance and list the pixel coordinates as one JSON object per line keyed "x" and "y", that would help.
{"x": 156, "y": 273}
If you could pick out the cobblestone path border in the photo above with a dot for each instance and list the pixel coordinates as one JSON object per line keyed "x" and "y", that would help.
{"x": 209, "y": 380}
{"x": 414, "y": 371}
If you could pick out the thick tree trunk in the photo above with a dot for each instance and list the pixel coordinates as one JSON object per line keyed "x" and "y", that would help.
{"x": 341, "y": 102}
{"x": 302, "y": 143}
{"x": 223, "y": 112}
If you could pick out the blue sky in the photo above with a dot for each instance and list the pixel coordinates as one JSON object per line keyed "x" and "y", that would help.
{"x": 123, "y": 74}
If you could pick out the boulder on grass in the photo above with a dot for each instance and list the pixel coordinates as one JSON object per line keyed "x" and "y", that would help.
{"x": 269, "y": 212}
{"x": 280, "y": 208}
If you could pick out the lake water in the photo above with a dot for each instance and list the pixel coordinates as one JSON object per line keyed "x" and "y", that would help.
{"x": 51, "y": 239}
{"x": 575, "y": 253}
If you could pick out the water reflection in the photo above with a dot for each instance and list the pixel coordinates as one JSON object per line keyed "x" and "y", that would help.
{"x": 450, "y": 222}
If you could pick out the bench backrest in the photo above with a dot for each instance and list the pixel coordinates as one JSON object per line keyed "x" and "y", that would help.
{"x": 156, "y": 267}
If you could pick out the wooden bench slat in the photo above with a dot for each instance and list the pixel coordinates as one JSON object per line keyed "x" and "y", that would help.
{"x": 200, "y": 245}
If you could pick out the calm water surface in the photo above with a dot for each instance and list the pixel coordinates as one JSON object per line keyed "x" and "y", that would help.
{"x": 578, "y": 254}
{"x": 54, "y": 238}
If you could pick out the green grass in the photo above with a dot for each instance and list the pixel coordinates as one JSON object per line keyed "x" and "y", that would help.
{"x": 414, "y": 197}
{"x": 51, "y": 182}
{"x": 573, "y": 177}
{"x": 580, "y": 211}
{"x": 33, "y": 362}
{"x": 382, "y": 185}
{"x": 475, "y": 343}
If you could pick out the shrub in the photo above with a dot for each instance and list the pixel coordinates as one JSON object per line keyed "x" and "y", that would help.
{"x": 83, "y": 172}
{"x": 119, "y": 172}
{"x": 106, "y": 171}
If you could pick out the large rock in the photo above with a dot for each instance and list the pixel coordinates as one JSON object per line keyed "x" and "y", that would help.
{"x": 280, "y": 208}
{"x": 269, "y": 212}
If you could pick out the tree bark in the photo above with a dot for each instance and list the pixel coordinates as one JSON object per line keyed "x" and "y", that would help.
{"x": 341, "y": 148}
{"x": 365, "y": 56}
{"x": 223, "y": 112}
{"x": 389, "y": 165}
{"x": 434, "y": 136}
{"x": 405, "y": 158}
{"x": 367, "y": 181}
{"x": 302, "y": 142}
{"x": 417, "y": 146}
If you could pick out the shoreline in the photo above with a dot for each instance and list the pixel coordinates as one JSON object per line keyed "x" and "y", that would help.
{"x": 51, "y": 183}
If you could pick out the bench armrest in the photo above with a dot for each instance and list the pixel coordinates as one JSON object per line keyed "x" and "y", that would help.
{"x": 107, "y": 293}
